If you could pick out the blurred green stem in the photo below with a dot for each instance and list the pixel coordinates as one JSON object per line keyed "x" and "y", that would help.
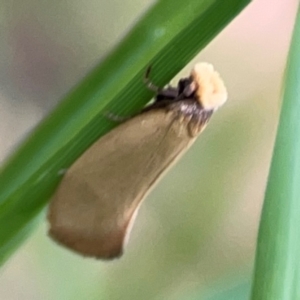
{"x": 277, "y": 263}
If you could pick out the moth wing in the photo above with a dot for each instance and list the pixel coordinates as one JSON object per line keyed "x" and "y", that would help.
{"x": 95, "y": 205}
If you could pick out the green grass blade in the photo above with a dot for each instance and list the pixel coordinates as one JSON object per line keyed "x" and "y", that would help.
{"x": 278, "y": 250}
{"x": 167, "y": 37}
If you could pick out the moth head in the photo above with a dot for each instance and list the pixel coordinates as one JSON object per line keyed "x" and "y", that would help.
{"x": 209, "y": 87}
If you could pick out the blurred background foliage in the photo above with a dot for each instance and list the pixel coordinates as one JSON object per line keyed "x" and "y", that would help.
{"x": 195, "y": 235}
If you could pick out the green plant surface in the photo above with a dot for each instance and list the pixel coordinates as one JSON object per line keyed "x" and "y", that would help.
{"x": 277, "y": 265}
{"x": 167, "y": 37}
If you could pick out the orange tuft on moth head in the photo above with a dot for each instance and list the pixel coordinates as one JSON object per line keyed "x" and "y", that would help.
{"x": 210, "y": 89}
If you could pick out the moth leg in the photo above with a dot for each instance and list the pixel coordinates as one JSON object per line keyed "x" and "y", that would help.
{"x": 115, "y": 118}
{"x": 189, "y": 90}
{"x": 150, "y": 85}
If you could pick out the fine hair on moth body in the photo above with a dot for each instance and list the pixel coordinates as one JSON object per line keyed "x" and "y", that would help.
{"x": 94, "y": 207}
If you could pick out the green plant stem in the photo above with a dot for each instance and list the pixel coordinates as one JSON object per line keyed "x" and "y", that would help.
{"x": 277, "y": 264}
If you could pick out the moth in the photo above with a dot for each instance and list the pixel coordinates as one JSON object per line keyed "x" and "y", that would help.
{"x": 96, "y": 203}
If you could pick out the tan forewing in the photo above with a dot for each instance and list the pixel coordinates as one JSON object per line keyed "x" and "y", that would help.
{"x": 101, "y": 192}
